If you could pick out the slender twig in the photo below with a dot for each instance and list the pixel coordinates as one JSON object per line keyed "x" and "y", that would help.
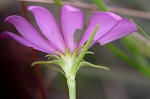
{"x": 124, "y": 11}
{"x": 23, "y": 9}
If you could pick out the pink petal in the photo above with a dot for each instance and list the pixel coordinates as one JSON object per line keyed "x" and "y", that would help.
{"x": 48, "y": 26}
{"x": 71, "y": 20}
{"x": 123, "y": 28}
{"x": 22, "y": 41}
{"x": 29, "y": 32}
{"x": 106, "y": 20}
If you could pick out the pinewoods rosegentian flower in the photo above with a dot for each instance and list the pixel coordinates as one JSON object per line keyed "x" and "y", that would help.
{"x": 103, "y": 27}
{"x": 112, "y": 27}
{"x": 59, "y": 42}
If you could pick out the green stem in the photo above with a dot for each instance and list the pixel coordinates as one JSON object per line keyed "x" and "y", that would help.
{"x": 72, "y": 88}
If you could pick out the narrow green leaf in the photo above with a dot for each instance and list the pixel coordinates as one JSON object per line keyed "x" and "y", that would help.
{"x": 84, "y": 63}
{"x": 58, "y": 3}
{"x": 141, "y": 30}
{"x": 84, "y": 50}
{"x": 55, "y": 62}
{"x": 52, "y": 56}
{"x": 100, "y": 4}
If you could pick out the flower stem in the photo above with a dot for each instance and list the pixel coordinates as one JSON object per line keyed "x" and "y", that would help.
{"x": 72, "y": 88}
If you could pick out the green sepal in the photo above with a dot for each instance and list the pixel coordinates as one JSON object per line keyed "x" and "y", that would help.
{"x": 52, "y": 56}
{"x": 54, "y": 62}
{"x": 84, "y": 63}
{"x": 83, "y": 52}
{"x": 60, "y": 54}
{"x": 89, "y": 52}
{"x": 67, "y": 53}
{"x": 75, "y": 54}
{"x": 57, "y": 69}
{"x": 49, "y": 64}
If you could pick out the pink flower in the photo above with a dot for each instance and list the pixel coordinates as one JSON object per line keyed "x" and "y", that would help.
{"x": 112, "y": 27}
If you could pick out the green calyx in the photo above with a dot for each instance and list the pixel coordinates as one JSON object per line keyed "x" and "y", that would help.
{"x": 68, "y": 64}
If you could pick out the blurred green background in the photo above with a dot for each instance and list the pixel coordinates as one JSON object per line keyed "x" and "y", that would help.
{"x": 128, "y": 58}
